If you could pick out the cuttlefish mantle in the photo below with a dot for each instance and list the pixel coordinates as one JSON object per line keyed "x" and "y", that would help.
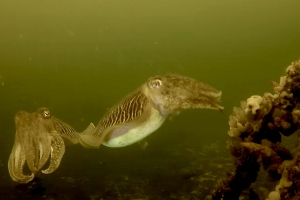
{"x": 39, "y": 137}
{"x": 144, "y": 110}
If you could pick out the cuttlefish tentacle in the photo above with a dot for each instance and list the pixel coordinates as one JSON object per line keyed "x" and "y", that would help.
{"x": 16, "y": 163}
{"x": 57, "y": 152}
{"x": 144, "y": 111}
{"x": 38, "y": 137}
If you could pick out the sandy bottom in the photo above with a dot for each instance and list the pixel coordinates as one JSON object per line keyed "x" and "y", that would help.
{"x": 178, "y": 173}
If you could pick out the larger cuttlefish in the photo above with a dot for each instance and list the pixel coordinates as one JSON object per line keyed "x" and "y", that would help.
{"x": 144, "y": 110}
{"x": 38, "y": 137}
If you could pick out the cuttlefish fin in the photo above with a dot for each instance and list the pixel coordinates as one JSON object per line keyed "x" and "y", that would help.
{"x": 16, "y": 163}
{"x": 88, "y": 139}
{"x": 57, "y": 152}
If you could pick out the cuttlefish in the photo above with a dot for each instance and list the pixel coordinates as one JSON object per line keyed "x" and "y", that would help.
{"x": 39, "y": 136}
{"x": 143, "y": 111}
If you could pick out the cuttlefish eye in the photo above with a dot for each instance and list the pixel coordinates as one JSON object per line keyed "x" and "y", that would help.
{"x": 156, "y": 83}
{"x": 46, "y": 114}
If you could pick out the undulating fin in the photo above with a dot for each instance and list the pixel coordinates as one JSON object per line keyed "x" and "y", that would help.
{"x": 65, "y": 130}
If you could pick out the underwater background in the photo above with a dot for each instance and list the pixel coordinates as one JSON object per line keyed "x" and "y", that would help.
{"x": 80, "y": 57}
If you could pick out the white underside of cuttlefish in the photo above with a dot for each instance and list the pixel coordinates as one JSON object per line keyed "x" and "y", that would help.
{"x": 144, "y": 111}
{"x": 39, "y": 137}
{"x": 134, "y": 132}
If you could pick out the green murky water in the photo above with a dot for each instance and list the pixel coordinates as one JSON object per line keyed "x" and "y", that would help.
{"x": 79, "y": 58}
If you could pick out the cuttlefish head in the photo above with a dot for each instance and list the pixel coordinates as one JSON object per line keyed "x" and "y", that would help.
{"x": 39, "y": 137}
{"x": 172, "y": 93}
{"x": 33, "y": 135}
{"x": 36, "y": 140}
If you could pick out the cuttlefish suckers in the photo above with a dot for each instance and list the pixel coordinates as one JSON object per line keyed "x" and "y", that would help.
{"x": 144, "y": 110}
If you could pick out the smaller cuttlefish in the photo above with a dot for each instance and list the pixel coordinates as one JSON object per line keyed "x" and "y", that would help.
{"x": 39, "y": 136}
{"x": 143, "y": 111}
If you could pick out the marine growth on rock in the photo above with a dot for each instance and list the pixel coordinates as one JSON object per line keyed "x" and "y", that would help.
{"x": 256, "y": 130}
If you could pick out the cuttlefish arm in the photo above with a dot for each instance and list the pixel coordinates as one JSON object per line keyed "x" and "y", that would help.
{"x": 144, "y": 111}
{"x": 62, "y": 133}
{"x": 16, "y": 163}
{"x": 57, "y": 152}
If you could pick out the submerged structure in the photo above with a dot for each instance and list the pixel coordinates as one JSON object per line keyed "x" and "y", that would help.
{"x": 256, "y": 131}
